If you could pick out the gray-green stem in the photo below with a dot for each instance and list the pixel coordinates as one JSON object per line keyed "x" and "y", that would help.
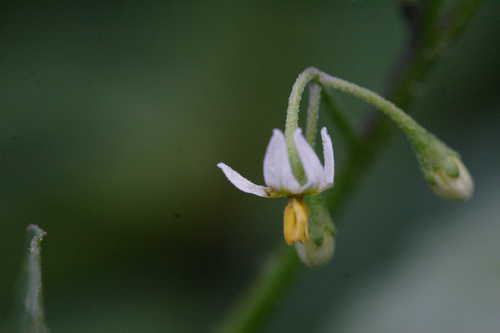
{"x": 292, "y": 120}
{"x": 313, "y": 113}
{"x": 413, "y": 130}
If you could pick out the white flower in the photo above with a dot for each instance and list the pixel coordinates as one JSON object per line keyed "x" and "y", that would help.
{"x": 281, "y": 182}
{"x": 278, "y": 175}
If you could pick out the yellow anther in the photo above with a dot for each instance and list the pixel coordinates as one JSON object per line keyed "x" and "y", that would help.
{"x": 296, "y": 218}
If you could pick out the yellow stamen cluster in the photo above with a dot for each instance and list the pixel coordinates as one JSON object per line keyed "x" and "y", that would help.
{"x": 296, "y": 218}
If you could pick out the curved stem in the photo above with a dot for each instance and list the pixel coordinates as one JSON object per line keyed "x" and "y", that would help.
{"x": 292, "y": 118}
{"x": 311, "y": 74}
{"x": 402, "y": 120}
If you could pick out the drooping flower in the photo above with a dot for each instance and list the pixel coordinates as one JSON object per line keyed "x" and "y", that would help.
{"x": 281, "y": 182}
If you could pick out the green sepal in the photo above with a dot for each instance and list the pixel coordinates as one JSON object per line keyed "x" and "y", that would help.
{"x": 320, "y": 220}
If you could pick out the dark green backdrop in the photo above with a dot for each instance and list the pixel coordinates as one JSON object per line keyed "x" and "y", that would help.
{"x": 114, "y": 115}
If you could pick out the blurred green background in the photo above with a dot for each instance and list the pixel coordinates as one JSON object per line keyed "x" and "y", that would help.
{"x": 114, "y": 115}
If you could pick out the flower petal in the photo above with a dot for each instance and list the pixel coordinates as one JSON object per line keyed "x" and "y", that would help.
{"x": 310, "y": 162}
{"x": 328, "y": 158}
{"x": 277, "y": 170}
{"x": 242, "y": 183}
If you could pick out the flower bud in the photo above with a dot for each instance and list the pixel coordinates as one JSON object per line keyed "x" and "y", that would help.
{"x": 444, "y": 171}
{"x": 313, "y": 254}
{"x": 452, "y": 182}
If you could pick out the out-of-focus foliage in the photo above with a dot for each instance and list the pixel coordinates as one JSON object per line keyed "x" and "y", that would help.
{"x": 33, "y": 313}
{"x": 114, "y": 114}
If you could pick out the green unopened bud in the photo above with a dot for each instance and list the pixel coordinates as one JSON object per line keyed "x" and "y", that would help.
{"x": 445, "y": 173}
{"x": 313, "y": 254}
{"x": 452, "y": 183}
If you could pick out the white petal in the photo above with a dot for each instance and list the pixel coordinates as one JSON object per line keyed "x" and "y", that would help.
{"x": 312, "y": 166}
{"x": 277, "y": 170}
{"x": 242, "y": 183}
{"x": 328, "y": 157}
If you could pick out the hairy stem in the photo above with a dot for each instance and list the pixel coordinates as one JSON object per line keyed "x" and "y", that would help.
{"x": 396, "y": 114}
{"x": 292, "y": 120}
{"x": 313, "y": 113}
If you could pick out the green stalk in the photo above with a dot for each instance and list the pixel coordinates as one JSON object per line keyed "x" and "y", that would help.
{"x": 313, "y": 113}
